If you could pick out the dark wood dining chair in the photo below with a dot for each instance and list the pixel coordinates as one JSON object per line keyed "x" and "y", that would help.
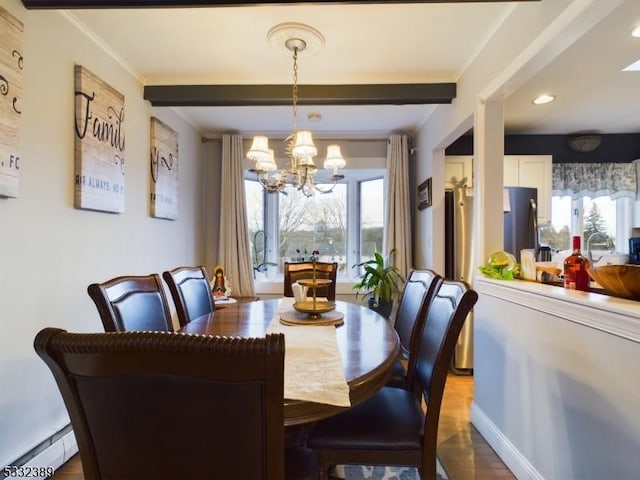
{"x": 132, "y": 302}
{"x": 294, "y": 271}
{"x": 154, "y": 405}
{"x": 191, "y": 293}
{"x": 391, "y": 427}
{"x": 418, "y": 291}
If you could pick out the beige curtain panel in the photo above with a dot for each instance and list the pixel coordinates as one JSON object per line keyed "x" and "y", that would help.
{"x": 233, "y": 250}
{"x": 397, "y": 213}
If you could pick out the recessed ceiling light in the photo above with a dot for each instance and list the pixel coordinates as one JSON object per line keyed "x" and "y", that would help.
{"x": 635, "y": 32}
{"x": 542, "y": 99}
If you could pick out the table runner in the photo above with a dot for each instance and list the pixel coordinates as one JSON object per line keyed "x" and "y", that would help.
{"x": 312, "y": 363}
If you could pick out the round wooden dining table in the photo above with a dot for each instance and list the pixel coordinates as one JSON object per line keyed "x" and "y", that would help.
{"x": 368, "y": 346}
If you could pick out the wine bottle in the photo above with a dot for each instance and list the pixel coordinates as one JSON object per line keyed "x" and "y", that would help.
{"x": 575, "y": 269}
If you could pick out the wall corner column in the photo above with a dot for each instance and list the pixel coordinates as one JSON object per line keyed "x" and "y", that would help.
{"x": 488, "y": 168}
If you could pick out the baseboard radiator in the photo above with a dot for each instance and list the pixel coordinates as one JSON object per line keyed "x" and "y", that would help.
{"x": 52, "y": 452}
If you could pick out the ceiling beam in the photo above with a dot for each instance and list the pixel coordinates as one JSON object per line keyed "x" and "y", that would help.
{"x": 90, "y": 4}
{"x": 275, "y": 95}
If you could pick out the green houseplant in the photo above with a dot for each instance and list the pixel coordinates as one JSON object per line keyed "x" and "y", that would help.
{"x": 379, "y": 284}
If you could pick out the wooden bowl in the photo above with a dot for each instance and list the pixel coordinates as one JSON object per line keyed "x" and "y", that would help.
{"x": 618, "y": 280}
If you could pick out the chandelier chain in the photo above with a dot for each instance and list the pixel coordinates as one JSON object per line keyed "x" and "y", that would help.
{"x": 295, "y": 89}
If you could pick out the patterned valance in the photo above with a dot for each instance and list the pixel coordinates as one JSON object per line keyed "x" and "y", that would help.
{"x": 615, "y": 180}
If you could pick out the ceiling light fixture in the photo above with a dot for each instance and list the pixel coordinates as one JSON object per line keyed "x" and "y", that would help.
{"x": 542, "y": 99}
{"x": 301, "y": 171}
{"x": 635, "y": 32}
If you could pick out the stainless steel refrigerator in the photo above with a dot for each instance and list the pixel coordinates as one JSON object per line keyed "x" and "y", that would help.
{"x": 520, "y": 220}
{"x": 458, "y": 231}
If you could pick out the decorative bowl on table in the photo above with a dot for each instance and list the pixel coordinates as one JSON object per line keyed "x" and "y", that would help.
{"x": 314, "y": 309}
{"x": 618, "y": 280}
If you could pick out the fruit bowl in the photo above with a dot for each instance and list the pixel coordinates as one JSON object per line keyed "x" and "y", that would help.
{"x": 618, "y": 280}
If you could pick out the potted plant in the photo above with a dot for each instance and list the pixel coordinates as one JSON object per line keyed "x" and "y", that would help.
{"x": 380, "y": 283}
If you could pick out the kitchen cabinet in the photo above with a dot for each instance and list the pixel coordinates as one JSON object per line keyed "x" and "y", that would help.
{"x": 531, "y": 171}
{"x": 458, "y": 171}
{"x": 519, "y": 171}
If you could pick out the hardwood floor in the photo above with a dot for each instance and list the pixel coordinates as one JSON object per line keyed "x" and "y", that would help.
{"x": 463, "y": 452}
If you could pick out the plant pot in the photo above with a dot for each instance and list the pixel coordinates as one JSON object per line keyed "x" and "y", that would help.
{"x": 383, "y": 308}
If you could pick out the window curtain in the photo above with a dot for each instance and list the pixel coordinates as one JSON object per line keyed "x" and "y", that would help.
{"x": 397, "y": 234}
{"x": 615, "y": 180}
{"x": 233, "y": 250}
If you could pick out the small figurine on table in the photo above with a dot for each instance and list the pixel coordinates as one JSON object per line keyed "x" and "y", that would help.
{"x": 219, "y": 284}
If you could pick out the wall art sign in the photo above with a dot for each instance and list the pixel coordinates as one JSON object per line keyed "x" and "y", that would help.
{"x": 99, "y": 144}
{"x": 11, "y": 50}
{"x": 164, "y": 171}
{"x": 424, "y": 194}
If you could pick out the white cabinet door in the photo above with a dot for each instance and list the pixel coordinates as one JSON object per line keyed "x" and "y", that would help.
{"x": 458, "y": 171}
{"x": 511, "y": 171}
{"x": 535, "y": 171}
{"x": 531, "y": 171}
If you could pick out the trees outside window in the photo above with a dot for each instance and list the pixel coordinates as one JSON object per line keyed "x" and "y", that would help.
{"x": 585, "y": 216}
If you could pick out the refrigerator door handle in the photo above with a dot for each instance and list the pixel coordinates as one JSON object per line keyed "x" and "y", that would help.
{"x": 534, "y": 223}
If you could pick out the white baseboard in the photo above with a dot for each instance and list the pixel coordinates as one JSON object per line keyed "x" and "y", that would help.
{"x": 70, "y": 446}
{"x": 55, "y": 455}
{"x": 510, "y": 455}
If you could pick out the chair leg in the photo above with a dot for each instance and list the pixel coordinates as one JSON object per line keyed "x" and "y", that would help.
{"x": 323, "y": 466}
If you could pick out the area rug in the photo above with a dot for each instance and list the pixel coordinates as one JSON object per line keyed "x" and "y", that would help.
{"x": 363, "y": 472}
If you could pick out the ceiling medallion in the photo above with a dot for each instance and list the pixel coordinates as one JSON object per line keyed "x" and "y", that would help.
{"x": 282, "y": 35}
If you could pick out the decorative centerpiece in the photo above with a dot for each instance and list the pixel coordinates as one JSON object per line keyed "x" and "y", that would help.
{"x": 313, "y": 309}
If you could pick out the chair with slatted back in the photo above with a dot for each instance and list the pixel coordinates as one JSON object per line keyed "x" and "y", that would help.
{"x": 191, "y": 293}
{"x": 391, "y": 427}
{"x": 132, "y": 302}
{"x": 294, "y": 271}
{"x": 158, "y": 405}
{"x": 418, "y": 291}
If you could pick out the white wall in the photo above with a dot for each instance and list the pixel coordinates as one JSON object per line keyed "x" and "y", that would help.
{"x": 556, "y": 389}
{"x": 49, "y": 251}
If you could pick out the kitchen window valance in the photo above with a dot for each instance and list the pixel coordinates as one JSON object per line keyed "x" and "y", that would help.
{"x": 615, "y": 180}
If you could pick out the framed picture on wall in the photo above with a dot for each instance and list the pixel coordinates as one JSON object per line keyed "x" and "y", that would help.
{"x": 99, "y": 144}
{"x": 11, "y": 51}
{"x": 164, "y": 171}
{"x": 424, "y": 194}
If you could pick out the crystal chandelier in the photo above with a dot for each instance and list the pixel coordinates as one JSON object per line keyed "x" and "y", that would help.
{"x": 301, "y": 171}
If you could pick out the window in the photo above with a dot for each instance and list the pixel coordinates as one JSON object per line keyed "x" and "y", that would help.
{"x": 371, "y": 218}
{"x": 587, "y": 216}
{"x": 313, "y": 223}
{"x": 345, "y": 226}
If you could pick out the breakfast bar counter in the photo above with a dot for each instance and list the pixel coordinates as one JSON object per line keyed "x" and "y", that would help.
{"x": 556, "y": 390}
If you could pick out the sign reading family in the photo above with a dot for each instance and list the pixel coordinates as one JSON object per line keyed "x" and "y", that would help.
{"x": 164, "y": 171}
{"x": 99, "y": 144}
{"x": 11, "y": 38}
